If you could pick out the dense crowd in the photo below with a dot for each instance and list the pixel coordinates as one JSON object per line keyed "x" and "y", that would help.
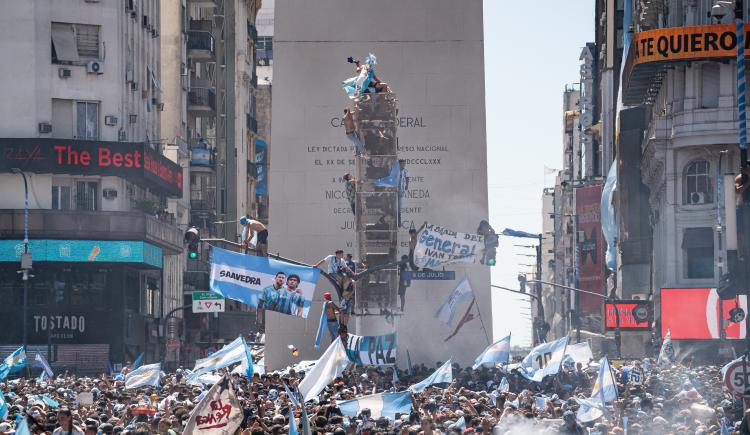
{"x": 674, "y": 399}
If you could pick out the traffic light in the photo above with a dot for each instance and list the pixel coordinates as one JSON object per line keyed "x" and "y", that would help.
{"x": 732, "y": 283}
{"x": 491, "y": 243}
{"x": 192, "y": 238}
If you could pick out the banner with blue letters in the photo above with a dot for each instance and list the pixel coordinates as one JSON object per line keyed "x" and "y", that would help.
{"x": 371, "y": 350}
{"x": 263, "y": 282}
{"x": 438, "y": 245}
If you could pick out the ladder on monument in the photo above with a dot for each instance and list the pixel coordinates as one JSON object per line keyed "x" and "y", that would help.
{"x": 376, "y": 221}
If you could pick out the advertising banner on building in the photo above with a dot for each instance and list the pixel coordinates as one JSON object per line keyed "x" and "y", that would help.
{"x": 698, "y": 314}
{"x": 691, "y": 42}
{"x": 83, "y": 251}
{"x": 263, "y": 282}
{"x": 371, "y": 350}
{"x": 630, "y": 315}
{"x": 590, "y": 248}
{"x": 136, "y": 162}
{"x": 437, "y": 246}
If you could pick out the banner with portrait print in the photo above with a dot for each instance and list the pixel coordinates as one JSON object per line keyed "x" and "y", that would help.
{"x": 262, "y": 282}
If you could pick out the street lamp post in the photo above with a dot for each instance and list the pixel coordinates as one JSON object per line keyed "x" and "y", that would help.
{"x": 26, "y": 257}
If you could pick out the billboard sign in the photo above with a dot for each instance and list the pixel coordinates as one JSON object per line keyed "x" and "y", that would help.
{"x": 686, "y": 43}
{"x": 590, "y": 248}
{"x": 699, "y": 314}
{"x": 136, "y": 162}
{"x": 83, "y": 251}
{"x": 634, "y": 315}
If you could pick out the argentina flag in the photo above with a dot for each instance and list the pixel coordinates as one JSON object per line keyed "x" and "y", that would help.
{"x": 144, "y": 376}
{"x": 273, "y": 284}
{"x": 496, "y": 353}
{"x": 42, "y": 363}
{"x": 604, "y": 391}
{"x": 380, "y": 405}
{"x": 232, "y": 353}
{"x": 544, "y": 360}
{"x": 444, "y": 374}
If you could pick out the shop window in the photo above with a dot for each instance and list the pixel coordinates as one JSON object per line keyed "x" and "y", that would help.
{"x": 698, "y": 248}
{"x": 61, "y": 197}
{"x": 697, "y": 183}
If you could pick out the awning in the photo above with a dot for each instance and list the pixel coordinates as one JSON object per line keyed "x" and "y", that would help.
{"x": 64, "y": 40}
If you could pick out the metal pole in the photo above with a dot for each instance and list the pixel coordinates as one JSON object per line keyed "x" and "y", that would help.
{"x": 539, "y": 304}
{"x": 24, "y": 267}
{"x": 742, "y": 115}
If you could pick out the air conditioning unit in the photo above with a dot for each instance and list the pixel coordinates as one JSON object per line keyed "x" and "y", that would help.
{"x": 697, "y": 198}
{"x": 64, "y": 73}
{"x": 45, "y": 127}
{"x": 110, "y": 120}
{"x": 95, "y": 67}
{"x": 160, "y": 107}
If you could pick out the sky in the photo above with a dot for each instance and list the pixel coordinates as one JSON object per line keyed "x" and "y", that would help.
{"x": 525, "y": 74}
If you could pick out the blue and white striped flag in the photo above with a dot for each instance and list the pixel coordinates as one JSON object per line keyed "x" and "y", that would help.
{"x": 248, "y": 361}
{"x": 409, "y": 369}
{"x": 148, "y": 375}
{"x": 461, "y": 293}
{"x": 52, "y": 403}
{"x": 380, "y": 405}
{"x": 393, "y": 179}
{"x": 232, "y": 353}
{"x": 604, "y": 391}
{"x": 292, "y": 397}
{"x": 41, "y": 362}
{"x": 16, "y": 361}
{"x": 443, "y": 374}
{"x": 292, "y": 424}
{"x": 22, "y": 428}
{"x": 460, "y": 423}
{"x": 544, "y": 360}
{"x": 321, "y": 328}
{"x": 496, "y": 353}
{"x": 504, "y": 385}
{"x": 138, "y": 361}
{"x": 329, "y": 366}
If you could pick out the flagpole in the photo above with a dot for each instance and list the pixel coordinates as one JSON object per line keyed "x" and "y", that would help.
{"x": 483, "y": 328}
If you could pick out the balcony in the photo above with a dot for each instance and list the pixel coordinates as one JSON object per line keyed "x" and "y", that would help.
{"x": 203, "y": 200}
{"x": 92, "y": 225}
{"x": 200, "y": 45}
{"x": 251, "y": 122}
{"x": 201, "y": 101}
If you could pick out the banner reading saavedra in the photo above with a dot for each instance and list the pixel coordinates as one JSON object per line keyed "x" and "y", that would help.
{"x": 437, "y": 246}
{"x": 263, "y": 282}
{"x": 371, "y": 350}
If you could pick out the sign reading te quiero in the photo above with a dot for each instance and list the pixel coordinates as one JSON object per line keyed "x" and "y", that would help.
{"x": 682, "y": 43}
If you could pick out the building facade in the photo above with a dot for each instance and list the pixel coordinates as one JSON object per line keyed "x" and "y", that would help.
{"x": 84, "y": 134}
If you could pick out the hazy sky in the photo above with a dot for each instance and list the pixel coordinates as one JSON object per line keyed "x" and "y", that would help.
{"x": 531, "y": 52}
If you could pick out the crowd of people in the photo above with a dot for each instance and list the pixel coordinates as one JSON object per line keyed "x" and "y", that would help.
{"x": 660, "y": 400}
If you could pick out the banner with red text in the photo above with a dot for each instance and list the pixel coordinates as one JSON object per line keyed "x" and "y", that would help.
{"x": 219, "y": 413}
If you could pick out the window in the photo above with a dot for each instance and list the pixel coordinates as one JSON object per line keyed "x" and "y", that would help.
{"x": 61, "y": 197}
{"x": 87, "y": 195}
{"x": 698, "y": 247}
{"x": 62, "y": 118}
{"x": 74, "y": 42}
{"x": 697, "y": 183}
{"x": 264, "y": 47}
{"x": 87, "y": 120}
{"x": 710, "y": 86}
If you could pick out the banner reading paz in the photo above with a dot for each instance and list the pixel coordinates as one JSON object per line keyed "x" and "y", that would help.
{"x": 438, "y": 245}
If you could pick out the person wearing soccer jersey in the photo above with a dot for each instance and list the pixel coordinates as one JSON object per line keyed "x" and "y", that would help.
{"x": 295, "y": 301}
{"x": 270, "y": 298}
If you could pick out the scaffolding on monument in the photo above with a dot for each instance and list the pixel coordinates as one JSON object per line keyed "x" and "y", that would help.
{"x": 376, "y": 221}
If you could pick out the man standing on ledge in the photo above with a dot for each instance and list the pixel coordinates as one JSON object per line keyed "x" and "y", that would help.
{"x": 249, "y": 228}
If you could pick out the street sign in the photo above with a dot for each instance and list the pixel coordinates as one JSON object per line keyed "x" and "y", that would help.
{"x": 208, "y": 302}
{"x": 736, "y": 377}
{"x": 430, "y": 275}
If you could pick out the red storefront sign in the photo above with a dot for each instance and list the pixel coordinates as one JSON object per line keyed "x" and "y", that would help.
{"x": 136, "y": 162}
{"x": 590, "y": 248}
{"x": 627, "y": 320}
{"x": 699, "y": 314}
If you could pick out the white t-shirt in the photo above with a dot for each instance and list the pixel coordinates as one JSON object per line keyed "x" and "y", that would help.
{"x": 61, "y": 431}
